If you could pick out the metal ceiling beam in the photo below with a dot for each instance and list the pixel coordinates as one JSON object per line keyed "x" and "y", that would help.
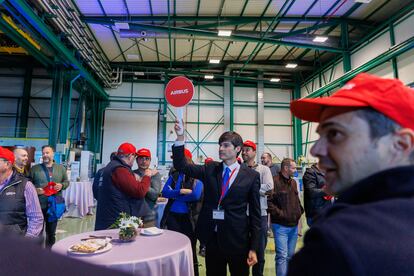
{"x": 236, "y": 20}
{"x": 196, "y": 64}
{"x": 27, "y": 12}
{"x": 200, "y": 74}
{"x": 295, "y": 25}
{"x": 235, "y": 37}
{"x": 23, "y": 42}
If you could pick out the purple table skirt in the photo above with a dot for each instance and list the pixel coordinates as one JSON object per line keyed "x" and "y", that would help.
{"x": 167, "y": 254}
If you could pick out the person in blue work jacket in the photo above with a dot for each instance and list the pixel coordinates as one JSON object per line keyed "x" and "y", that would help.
{"x": 184, "y": 204}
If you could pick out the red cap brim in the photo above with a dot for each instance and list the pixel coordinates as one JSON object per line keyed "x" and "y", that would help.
{"x": 311, "y": 109}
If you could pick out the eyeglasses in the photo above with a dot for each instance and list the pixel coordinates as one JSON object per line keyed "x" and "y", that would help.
{"x": 144, "y": 158}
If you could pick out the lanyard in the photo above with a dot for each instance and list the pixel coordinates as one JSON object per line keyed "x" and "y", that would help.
{"x": 225, "y": 189}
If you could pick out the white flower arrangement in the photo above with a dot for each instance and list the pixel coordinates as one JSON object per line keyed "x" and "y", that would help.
{"x": 132, "y": 221}
{"x": 128, "y": 226}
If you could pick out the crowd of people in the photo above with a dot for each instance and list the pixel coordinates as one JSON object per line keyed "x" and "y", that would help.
{"x": 357, "y": 198}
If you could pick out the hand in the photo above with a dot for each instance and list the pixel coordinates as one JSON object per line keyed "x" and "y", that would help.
{"x": 327, "y": 190}
{"x": 154, "y": 172}
{"x": 179, "y": 130}
{"x": 58, "y": 187}
{"x": 148, "y": 172}
{"x": 40, "y": 191}
{"x": 252, "y": 258}
{"x": 185, "y": 191}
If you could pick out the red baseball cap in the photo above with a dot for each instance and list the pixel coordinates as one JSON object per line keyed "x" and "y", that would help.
{"x": 49, "y": 190}
{"x": 7, "y": 154}
{"x": 188, "y": 154}
{"x": 127, "y": 148}
{"x": 387, "y": 96}
{"x": 208, "y": 160}
{"x": 249, "y": 143}
{"x": 144, "y": 153}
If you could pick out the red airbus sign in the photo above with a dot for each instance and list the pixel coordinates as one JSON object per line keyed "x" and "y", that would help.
{"x": 179, "y": 91}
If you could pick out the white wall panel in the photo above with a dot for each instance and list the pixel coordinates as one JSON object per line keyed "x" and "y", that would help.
{"x": 278, "y": 135}
{"x": 245, "y": 94}
{"x": 277, "y": 95}
{"x": 124, "y": 90}
{"x": 208, "y": 93}
{"x": 243, "y": 114}
{"x": 149, "y": 90}
{"x": 384, "y": 70}
{"x": 277, "y": 116}
{"x": 406, "y": 67}
{"x": 404, "y": 30}
{"x": 371, "y": 50}
{"x": 127, "y": 126}
{"x": 279, "y": 152}
{"x": 246, "y": 132}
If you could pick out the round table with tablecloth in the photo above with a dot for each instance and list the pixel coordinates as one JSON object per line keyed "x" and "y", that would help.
{"x": 78, "y": 199}
{"x": 166, "y": 254}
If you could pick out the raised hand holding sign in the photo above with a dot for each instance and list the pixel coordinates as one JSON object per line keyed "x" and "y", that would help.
{"x": 179, "y": 91}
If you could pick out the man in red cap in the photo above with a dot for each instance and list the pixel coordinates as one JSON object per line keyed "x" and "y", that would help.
{"x": 20, "y": 210}
{"x": 366, "y": 147}
{"x": 144, "y": 162}
{"x": 120, "y": 190}
{"x": 266, "y": 184}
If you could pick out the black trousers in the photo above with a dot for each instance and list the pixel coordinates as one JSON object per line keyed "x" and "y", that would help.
{"x": 217, "y": 261}
{"x": 50, "y": 228}
{"x": 181, "y": 223}
{"x": 259, "y": 267}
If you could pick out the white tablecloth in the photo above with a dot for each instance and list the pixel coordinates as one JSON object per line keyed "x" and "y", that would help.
{"x": 79, "y": 199}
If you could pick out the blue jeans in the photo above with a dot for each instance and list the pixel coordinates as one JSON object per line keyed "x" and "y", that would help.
{"x": 285, "y": 244}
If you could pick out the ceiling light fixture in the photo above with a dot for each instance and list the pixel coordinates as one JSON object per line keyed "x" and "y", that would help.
{"x": 224, "y": 33}
{"x": 214, "y": 61}
{"x": 274, "y": 80}
{"x": 209, "y": 77}
{"x": 320, "y": 39}
{"x": 291, "y": 65}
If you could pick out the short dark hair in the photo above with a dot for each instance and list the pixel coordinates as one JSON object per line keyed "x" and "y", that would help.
{"x": 232, "y": 137}
{"x": 286, "y": 162}
{"x": 268, "y": 154}
{"x": 379, "y": 124}
{"x": 48, "y": 146}
{"x": 112, "y": 156}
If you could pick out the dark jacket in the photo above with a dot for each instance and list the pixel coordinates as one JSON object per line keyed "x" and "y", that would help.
{"x": 283, "y": 202}
{"x": 237, "y": 233}
{"x": 152, "y": 195}
{"x": 13, "y": 205}
{"x": 112, "y": 201}
{"x": 40, "y": 179}
{"x": 313, "y": 181}
{"x": 368, "y": 230}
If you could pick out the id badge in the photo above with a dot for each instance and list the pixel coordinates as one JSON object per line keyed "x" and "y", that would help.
{"x": 218, "y": 214}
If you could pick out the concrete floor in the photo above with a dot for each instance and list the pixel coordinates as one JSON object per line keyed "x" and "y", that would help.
{"x": 72, "y": 226}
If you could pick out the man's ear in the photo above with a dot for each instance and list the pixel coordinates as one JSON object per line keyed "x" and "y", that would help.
{"x": 404, "y": 141}
{"x": 238, "y": 149}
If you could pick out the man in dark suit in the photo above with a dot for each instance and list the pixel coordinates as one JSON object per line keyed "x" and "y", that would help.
{"x": 231, "y": 237}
